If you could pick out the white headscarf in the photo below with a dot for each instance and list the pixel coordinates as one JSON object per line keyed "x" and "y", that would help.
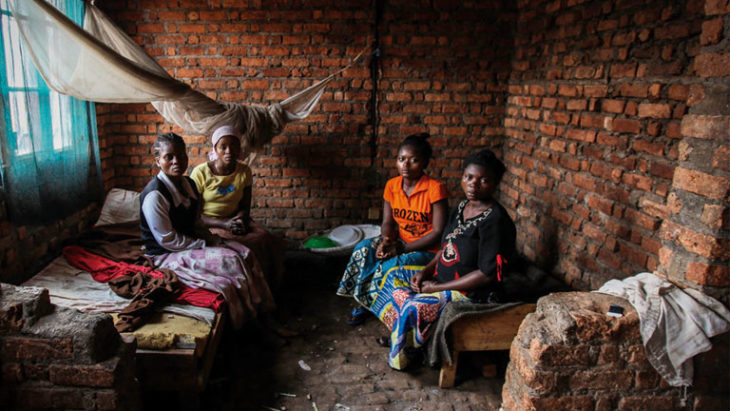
{"x": 218, "y": 134}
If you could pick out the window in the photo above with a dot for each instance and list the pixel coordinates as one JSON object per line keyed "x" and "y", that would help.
{"x": 49, "y": 139}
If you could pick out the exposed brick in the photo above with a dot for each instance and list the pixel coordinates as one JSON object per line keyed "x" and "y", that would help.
{"x": 698, "y": 243}
{"x": 581, "y": 135}
{"x": 577, "y": 403}
{"x": 697, "y": 182}
{"x": 713, "y": 64}
{"x": 655, "y": 110}
{"x": 623, "y": 70}
{"x": 647, "y": 402}
{"x": 711, "y": 275}
{"x": 634, "y": 90}
{"x": 601, "y": 380}
{"x": 706, "y": 127}
{"x": 558, "y": 355}
{"x": 624, "y": 125}
{"x": 714, "y": 7}
{"x": 535, "y": 379}
{"x": 613, "y": 106}
{"x": 716, "y": 217}
{"x": 98, "y": 375}
{"x": 37, "y": 349}
{"x": 711, "y": 31}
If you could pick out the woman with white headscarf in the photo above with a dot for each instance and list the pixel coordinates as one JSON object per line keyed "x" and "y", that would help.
{"x": 225, "y": 185}
{"x": 170, "y": 225}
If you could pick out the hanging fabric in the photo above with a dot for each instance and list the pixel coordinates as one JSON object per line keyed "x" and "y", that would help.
{"x": 101, "y": 63}
{"x": 48, "y": 140}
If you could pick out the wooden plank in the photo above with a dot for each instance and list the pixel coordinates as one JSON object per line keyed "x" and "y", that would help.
{"x": 447, "y": 376}
{"x": 489, "y": 331}
{"x": 483, "y": 332}
{"x": 212, "y": 347}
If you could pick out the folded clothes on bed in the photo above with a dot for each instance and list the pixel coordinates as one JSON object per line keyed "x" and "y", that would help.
{"x": 104, "y": 270}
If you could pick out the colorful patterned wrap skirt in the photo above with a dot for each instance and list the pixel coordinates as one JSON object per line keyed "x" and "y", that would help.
{"x": 409, "y": 317}
{"x": 365, "y": 274}
{"x": 383, "y": 287}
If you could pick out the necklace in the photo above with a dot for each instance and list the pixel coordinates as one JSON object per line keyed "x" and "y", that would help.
{"x": 450, "y": 253}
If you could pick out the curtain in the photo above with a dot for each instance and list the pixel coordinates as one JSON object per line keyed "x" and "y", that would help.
{"x": 99, "y": 62}
{"x": 49, "y": 139}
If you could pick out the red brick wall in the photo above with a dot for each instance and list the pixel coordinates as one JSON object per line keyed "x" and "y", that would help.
{"x": 611, "y": 117}
{"x": 600, "y": 105}
{"x": 610, "y": 153}
{"x": 443, "y": 70}
{"x": 25, "y": 249}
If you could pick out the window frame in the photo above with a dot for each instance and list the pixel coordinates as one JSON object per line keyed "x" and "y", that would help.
{"x": 44, "y": 97}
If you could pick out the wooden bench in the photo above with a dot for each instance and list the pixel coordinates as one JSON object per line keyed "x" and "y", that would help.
{"x": 489, "y": 331}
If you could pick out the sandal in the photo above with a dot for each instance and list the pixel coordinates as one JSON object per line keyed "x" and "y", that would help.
{"x": 383, "y": 341}
{"x": 358, "y": 315}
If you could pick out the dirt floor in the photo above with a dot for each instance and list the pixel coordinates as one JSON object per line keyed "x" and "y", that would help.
{"x": 331, "y": 365}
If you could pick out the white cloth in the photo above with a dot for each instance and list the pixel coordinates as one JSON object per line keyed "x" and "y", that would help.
{"x": 675, "y": 324}
{"x": 156, "y": 210}
{"x": 101, "y": 63}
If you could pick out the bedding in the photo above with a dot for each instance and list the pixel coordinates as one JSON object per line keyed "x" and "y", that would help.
{"x": 107, "y": 252}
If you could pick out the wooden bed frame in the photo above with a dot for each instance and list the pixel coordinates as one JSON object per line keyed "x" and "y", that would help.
{"x": 184, "y": 370}
{"x": 490, "y": 331}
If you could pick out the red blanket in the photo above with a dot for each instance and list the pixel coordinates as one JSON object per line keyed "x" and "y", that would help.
{"x": 103, "y": 270}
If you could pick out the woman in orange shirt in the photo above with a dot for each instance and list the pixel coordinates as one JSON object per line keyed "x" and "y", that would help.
{"x": 414, "y": 215}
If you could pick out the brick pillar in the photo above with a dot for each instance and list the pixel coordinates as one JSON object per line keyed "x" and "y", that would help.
{"x": 52, "y": 357}
{"x": 569, "y": 355}
{"x": 696, "y": 235}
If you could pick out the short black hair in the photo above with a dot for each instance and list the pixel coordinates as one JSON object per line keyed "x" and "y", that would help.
{"x": 420, "y": 144}
{"x": 167, "y": 138}
{"x": 488, "y": 160}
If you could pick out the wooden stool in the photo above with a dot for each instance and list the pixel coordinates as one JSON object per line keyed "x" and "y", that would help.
{"x": 482, "y": 332}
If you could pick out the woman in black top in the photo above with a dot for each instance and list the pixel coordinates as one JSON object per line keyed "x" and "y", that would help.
{"x": 478, "y": 240}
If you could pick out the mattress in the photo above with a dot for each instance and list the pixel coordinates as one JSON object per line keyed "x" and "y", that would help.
{"x": 174, "y": 326}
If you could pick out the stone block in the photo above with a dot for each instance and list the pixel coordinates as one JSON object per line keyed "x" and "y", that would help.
{"x": 21, "y": 306}
{"x": 94, "y": 337}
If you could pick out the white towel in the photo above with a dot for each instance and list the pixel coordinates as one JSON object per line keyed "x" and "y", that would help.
{"x": 675, "y": 325}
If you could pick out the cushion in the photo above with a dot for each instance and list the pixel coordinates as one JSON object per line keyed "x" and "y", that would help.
{"x": 120, "y": 206}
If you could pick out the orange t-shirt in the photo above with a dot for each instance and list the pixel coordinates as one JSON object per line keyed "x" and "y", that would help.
{"x": 413, "y": 213}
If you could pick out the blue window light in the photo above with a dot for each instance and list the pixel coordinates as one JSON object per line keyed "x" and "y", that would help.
{"x": 49, "y": 145}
